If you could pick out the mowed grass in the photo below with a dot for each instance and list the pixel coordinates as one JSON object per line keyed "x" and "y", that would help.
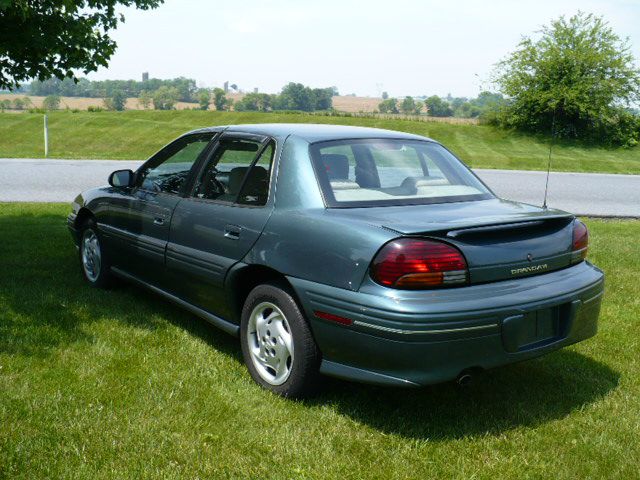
{"x": 138, "y": 134}
{"x": 120, "y": 384}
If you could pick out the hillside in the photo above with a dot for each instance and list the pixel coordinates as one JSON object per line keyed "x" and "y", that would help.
{"x": 137, "y": 134}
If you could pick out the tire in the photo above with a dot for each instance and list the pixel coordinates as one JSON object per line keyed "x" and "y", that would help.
{"x": 277, "y": 344}
{"x": 94, "y": 262}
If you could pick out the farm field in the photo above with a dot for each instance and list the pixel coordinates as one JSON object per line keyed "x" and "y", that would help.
{"x": 340, "y": 103}
{"x": 138, "y": 134}
{"x": 121, "y": 384}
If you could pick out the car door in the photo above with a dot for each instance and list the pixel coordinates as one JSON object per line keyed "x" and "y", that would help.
{"x": 139, "y": 217}
{"x": 218, "y": 224}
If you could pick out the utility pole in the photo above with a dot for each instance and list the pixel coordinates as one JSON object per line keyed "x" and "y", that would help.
{"x": 46, "y": 137}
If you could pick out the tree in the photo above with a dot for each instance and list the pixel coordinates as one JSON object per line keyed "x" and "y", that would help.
{"x": 390, "y": 105}
{"x": 437, "y": 107}
{"x": 385, "y": 95}
{"x": 255, "y": 102}
{"x": 578, "y": 76}
{"x": 165, "y": 98}
{"x": 220, "y": 100}
{"x": 467, "y": 110}
{"x": 295, "y": 96}
{"x": 51, "y": 102}
{"x": 5, "y": 105}
{"x": 322, "y": 98}
{"x": 19, "y": 103}
{"x": 117, "y": 101}
{"x": 418, "y": 108}
{"x": 204, "y": 97}
{"x": 408, "y": 105}
{"x": 144, "y": 100}
{"x": 52, "y": 38}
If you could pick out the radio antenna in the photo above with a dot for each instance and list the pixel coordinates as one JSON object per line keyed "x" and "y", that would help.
{"x": 553, "y": 136}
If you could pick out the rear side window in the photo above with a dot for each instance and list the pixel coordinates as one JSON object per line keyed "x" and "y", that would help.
{"x": 238, "y": 171}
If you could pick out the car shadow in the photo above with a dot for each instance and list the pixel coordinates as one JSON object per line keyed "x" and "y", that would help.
{"x": 524, "y": 394}
{"x": 44, "y": 304}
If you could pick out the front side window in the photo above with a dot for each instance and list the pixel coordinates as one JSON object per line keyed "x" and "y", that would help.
{"x": 168, "y": 172}
{"x": 360, "y": 173}
{"x": 238, "y": 171}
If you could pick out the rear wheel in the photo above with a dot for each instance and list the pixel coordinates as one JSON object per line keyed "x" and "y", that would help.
{"x": 94, "y": 262}
{"x": 277, "y": 344}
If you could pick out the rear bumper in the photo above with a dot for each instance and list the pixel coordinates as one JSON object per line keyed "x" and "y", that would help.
{"x": 425, "y": 337}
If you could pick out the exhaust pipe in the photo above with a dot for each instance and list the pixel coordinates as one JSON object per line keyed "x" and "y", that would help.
{"x": 465, "y": 379}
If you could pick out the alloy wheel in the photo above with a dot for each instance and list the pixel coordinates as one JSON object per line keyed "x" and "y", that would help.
{"x": 91, "y": 255}
{"x": 270, "y": 343}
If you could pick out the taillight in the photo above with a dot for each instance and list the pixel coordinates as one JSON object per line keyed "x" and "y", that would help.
{"x": 412, "y": 263}
{"x": 580, "y": 242}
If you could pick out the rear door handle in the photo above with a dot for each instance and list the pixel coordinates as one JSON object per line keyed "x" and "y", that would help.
{"x": 158, "y": 221}
{"x": 232, "y": 232}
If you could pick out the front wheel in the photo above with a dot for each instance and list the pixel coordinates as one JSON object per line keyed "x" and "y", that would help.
{"x": 94, "y": 262}
{"x": 277, "y": 344}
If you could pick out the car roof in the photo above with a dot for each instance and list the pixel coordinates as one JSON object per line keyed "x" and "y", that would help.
{"x": 313, "y": 132}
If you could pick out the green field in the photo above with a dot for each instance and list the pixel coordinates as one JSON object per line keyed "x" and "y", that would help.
{"x": 120, "y": 384}
{"x": 138, "y": 134}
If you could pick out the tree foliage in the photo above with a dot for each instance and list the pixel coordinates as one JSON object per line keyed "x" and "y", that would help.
{"x": 408, "y": 105}
{"x": 438, "y": 107}
{"x": 578, "y": 75}
{"x": 117, "y": 101}
{"x": 204, "y": 97}
{"x": 144, "y": 99}
{"x": 51, "y": 102}
{"x": 165, "y": 98}
{"x": 220, "y": 100}
{"x": 296, "y": 96}
{"x": 390, "y": 105}
{"x": 255, "y": 102}
{"x": 52, "y": 38}
{"x": 186, "y": 87}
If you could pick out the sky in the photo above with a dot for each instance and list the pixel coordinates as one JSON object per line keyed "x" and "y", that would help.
{"x": 403, "y": 47}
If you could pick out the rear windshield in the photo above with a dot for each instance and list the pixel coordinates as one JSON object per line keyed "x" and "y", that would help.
{"x": 361, "y": 173}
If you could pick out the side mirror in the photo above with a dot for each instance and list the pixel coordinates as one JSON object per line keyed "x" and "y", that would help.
{"x": 121, "y": 178}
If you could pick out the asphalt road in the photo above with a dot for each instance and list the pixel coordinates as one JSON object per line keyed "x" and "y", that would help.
{"x": 581, "y": 193}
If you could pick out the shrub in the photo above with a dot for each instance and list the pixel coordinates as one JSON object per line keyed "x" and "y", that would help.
{"x": 51, "y": 102}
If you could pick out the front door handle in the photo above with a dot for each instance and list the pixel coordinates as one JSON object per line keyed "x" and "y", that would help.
{"x": 158, "y": 221}
{"x": 232, "y": 232}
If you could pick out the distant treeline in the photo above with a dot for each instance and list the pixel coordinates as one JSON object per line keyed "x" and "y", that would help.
{"x": 484, "y": 105}
{"x": 163, "y": 95}
{"x": 186, "y": 88}
{"x": 294, "y": 96}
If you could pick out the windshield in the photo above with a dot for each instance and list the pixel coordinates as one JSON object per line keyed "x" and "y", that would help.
{"x": 361, "y": 173}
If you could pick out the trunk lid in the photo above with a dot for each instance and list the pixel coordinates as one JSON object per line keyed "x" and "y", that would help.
{"x": 499, "y": 239}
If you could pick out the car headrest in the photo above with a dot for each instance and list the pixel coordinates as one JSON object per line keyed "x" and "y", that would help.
{"x": 337, "y": 165}
{"x": 236, "y": 175}
{"x": 257, "y": 182}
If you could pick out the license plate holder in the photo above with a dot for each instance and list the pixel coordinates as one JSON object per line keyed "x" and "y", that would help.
{"x": 531, "y": 330}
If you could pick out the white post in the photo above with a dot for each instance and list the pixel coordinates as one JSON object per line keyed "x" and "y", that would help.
{"x": 46, "y": 137}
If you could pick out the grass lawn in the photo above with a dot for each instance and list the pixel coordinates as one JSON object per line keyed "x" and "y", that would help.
{"x": 138, "y": 134}
{"x": 120, "y": 384}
